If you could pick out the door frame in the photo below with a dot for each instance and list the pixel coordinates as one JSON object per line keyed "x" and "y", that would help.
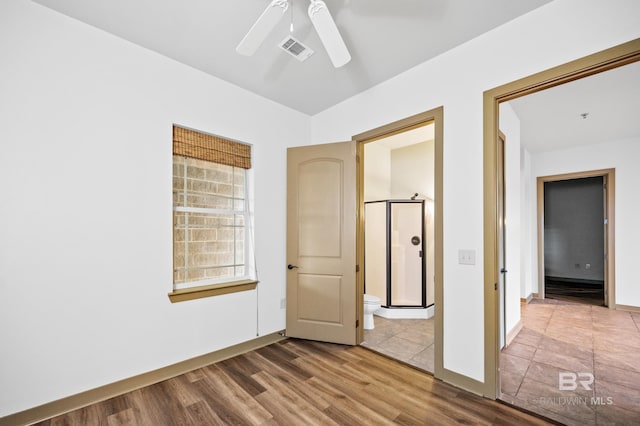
{"x": 609, "y": 235}
{"x": 605, "y": 60}
{"x": 434, "y": 116}
{"x": 502, "y": 236}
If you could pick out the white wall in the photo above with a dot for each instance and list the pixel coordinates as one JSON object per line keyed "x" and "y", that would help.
{"x": 377, "y": 172}
{"x": 412, "y": 170}
{"x": 554, "y": 34}
{"x": 510, "y": 126}
{"x": 622, "y": 155}
{"x": 528, "y": 225}
{"x": 85, "y": 217}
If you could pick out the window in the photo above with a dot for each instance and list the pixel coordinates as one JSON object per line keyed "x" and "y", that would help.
{"x": 211, "y": 220}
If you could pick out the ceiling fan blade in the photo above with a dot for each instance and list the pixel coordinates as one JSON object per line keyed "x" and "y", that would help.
{"x": 328, "y": 33}
{"x": 262, "y": 27}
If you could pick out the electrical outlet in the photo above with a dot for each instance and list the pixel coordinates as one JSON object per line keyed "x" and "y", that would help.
{"x": 283, "y": 303}
{"x": 467, "y": 257}
{"x": 587, "y": 266}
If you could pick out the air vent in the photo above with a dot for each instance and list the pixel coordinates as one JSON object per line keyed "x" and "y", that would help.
{"x": 295, "y": 48}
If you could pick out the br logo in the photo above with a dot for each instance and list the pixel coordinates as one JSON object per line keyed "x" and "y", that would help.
{"x": 569, "y": 381}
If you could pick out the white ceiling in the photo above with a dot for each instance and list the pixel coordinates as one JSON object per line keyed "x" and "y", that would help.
{"x": 551, "y": 119}
{"x": 385, "y": 38}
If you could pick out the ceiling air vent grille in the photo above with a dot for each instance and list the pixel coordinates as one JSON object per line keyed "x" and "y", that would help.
{"x": 296, "y": 49}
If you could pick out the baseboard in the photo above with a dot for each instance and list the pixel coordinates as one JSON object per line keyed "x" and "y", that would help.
{"x": 102, "y": 393}
{"x": 461, "y": 381}
{"x": 628, "y": 308}
{"x": 513, "y": 333}
{"x": 406, "y": 313}
{"x": 527, "y": 299}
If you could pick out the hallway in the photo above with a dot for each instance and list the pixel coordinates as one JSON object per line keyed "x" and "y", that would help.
{"x": 577, "y": 341}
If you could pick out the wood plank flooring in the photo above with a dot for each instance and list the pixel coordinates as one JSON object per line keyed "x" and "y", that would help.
{"x": 298, "y": 382}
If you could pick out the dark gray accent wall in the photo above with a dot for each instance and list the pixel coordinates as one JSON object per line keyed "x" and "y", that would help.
{"x": 574, "y": 229}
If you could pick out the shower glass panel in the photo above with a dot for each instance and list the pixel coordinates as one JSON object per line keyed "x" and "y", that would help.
{"x": 394, "y": 253}
{"x": 375, "y": 232}
{"x": 406, "y": 254}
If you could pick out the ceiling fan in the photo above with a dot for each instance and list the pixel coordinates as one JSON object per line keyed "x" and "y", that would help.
{"x": 320, "y": 18}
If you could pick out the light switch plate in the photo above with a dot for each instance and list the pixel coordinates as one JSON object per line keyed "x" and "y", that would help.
{"x": 467, "y": 257}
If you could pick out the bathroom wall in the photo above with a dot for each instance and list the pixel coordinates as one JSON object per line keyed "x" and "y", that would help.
{"x": 377, "y": 172}
{"x": 412, "y": 171}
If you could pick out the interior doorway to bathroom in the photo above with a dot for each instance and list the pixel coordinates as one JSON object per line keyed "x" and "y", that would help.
{"x": 398, "y": 242}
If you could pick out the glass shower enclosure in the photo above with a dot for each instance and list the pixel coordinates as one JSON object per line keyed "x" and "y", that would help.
{"x": 394, "y": 252}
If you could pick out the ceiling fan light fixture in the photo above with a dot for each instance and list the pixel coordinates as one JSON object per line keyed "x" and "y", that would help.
{"x": 262, "y": 27}
{"x": 328, "y": 33}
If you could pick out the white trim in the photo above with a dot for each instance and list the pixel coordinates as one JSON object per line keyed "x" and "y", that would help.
{"x": 205, "y": 210}
{"x": 406, "y": 313}
{"x": 210, "y": 281}
{"x": 247, "y": 227}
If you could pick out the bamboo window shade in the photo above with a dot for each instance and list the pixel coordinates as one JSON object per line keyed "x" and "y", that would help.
{"x": 202, "y": 146}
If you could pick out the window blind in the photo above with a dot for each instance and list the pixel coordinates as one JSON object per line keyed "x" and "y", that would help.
{"x": 202, "y": 146}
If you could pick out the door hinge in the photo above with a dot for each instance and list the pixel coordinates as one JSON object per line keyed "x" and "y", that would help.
{"x": 357, "y": 323}
{"x": 357, "y": 268}
{"x": 495, "y": 286}
{"x": 357, "y": 158}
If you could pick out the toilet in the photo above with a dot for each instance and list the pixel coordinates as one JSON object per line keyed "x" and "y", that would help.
{"x": 371, "y": 304}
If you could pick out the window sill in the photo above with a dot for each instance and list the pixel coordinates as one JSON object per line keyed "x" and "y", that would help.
{"x": 212, "y": 290}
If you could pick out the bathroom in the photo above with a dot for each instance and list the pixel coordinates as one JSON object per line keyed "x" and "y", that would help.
{"x": 399, "y": 246}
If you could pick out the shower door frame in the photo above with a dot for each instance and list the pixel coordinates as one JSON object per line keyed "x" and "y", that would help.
{"x": 423, "y": 279}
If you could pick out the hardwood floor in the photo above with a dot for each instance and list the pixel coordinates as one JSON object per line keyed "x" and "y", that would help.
{"x": 297, "y": 382}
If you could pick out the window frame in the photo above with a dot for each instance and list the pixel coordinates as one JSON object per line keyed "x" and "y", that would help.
{"x": 208, "y": 287}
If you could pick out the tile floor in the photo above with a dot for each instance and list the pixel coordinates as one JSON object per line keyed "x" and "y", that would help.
{"x": 564, "y": 337}
{"x": 408, "y": 340}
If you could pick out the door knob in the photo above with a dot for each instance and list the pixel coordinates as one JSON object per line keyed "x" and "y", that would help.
{"x": 503, "y": 271}
{"x": 290, "y": 267}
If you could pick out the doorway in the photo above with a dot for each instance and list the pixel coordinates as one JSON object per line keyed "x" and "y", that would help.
{"x": 399, "y": 245}
{"x": 400, "y": 173}
{"x": 325, "y": 236}
{"x": 573, "y": 228}
{"x": 591, "y": 65}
